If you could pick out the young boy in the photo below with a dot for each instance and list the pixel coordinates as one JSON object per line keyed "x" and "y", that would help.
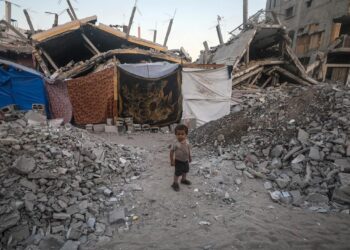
{"x": 180, "y": 157}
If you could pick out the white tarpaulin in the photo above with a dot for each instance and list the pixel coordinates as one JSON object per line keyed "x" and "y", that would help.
{"x": 206, "y": 94}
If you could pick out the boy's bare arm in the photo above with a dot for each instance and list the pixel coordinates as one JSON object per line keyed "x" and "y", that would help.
{"x": 172, "y": 160}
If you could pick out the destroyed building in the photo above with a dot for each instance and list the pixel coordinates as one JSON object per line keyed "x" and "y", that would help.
{"x": 320, "y": 34}
{"x": 259, "y": 53}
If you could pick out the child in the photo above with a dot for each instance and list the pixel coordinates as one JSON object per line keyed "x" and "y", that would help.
{"x": 180, "y": 157}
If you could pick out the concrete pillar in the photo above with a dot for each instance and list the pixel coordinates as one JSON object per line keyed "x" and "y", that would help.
{"x": 8, "y": 14}
{"x": 218, "y": 30}
{"x": 245, "y": 12}
{"x": 168, "y": 31}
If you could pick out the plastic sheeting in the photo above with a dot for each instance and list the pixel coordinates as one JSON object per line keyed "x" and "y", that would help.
{"x": 150, "y": 70}
{"x": 21, "y": 86}
{"x": 206, "y": 94}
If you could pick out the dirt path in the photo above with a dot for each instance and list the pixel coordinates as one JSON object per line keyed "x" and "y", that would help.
{"x": 170, "y": 220}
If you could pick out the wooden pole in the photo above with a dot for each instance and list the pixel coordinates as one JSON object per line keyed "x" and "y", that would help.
{"x": 70, "y": 14}
{"x": 155, "y": 36}
{"x": 87, "y": 40}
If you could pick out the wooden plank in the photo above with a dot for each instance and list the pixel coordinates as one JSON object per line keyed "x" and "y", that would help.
{"x": 266, "y": 82}
{"x": 339, "y": 65}
{"x": 115, "y": 86}
{"x": 203, "y": 66}
{"x": 292, "y": 76}
{"x": 74, "y": 25}
{"x": 239, "y": 80}
{"x": 131, "y": 39}
{"x": 253, "y": 82}
{"x": 52, "y": 63}
{"x": 42, "y": 63}
{"x": 87, "y": 40}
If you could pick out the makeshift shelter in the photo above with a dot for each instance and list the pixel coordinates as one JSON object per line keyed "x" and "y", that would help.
{"x": 92, "y": 97}
{"x": 206, "y": 94}
{"x": 150, "y": 93}
{"x": 21, "y": 86}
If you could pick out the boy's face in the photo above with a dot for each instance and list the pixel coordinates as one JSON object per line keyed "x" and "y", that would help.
{"x": 181, "y": 135}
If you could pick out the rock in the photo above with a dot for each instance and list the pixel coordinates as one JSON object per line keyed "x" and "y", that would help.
{"x": 268, "y": 185}
{"x": 117, "y": 216}
{"x": 107, "y": 192}
{"x": 91, "y": 223}
{"x": 303, "y": 136}
{"x": 283, "y": 181}
{"x": 61, "y": 216}
{"x": 344, "y": 164}
{"x": 51, "y": 242}
{"x": 238, "y": 181}
{"x": 342, "y": 195}
{"x": 348, "y": 151}
{"x": 316, "y": 198}
{"x": 300, "y": 158}
{"x": 247, "y": 174}
{"x": 71, "y": 245}
{"x": 100, "y": 228}
{"x": 29, "y": 199}
{"x": 297, "y": 198}
{"x": 344, "y": 179}
{"x": 28, "y": 184}
{"x": 314, "y": 154}
{"x": 204, "y": 223}
{"x": 291, "y": 153}
{"x": 19, "y": 233}
{"x": 24, "y": 165}
{"x": 277, "y": 151}
{"x": 297, "y": 168}
{"x": 240, "y": 165}
{"x": 73, "y": 233}
{"x": 57, "y": 229}
{"x": 276, "y": 163}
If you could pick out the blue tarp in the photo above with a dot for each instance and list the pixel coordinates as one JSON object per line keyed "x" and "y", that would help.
{"x": 21, "y": 86}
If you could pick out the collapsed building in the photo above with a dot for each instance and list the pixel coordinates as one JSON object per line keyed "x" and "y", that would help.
{"x": 259, "y": 53}
{"x": 319, "y": 31}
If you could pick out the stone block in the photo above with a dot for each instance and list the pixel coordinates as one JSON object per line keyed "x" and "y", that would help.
{"x": 99, "y": 128}
{"x": 111, "y": 129}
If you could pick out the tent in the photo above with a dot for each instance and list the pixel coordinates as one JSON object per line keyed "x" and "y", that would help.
{"x": 150, "y": 93}
{"x": 21, "y": 86}
{"x": 206, "y": 94}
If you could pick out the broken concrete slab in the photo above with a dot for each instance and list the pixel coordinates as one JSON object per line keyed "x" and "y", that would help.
{"x": 344, "y": 179}
{"x": 342, "y": 195}
{"x": 70, "y": 245}
{"x": 24, "y": 165}
{"x": 8, "y": 220}
{"x": 117, "y": 216}
{"x": 315, "y": 154}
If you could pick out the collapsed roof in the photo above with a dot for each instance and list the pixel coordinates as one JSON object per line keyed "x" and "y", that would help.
{"x": 83, "y": 41}
{"x": 260, "y": 50}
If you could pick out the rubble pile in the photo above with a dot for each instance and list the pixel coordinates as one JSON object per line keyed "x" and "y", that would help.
{"x": 297, "y": 142}
{"x": 60, "y": 186}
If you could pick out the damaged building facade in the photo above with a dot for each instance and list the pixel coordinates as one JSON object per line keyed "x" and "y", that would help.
{"x": 320, "y": 32}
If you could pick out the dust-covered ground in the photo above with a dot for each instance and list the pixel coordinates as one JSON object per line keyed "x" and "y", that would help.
{"x": 216, "y": 212}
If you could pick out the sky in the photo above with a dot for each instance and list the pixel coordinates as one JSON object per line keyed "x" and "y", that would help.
{"x": 194, "y": 22}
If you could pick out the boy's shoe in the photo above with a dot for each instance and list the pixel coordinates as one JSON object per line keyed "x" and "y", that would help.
{"x": 176, "y": 187}
{"x": 186, "y": 182}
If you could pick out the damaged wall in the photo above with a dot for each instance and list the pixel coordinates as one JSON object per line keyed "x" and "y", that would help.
{"x": 310, "y": 23}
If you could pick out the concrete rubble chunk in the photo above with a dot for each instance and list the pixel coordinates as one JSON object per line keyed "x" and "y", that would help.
{"x": 283, "y": 181}
{"x": 117, "y": 216}
{"x": 20, "y": 233}
{"x": 268, "y": 185}
{"x": 51, "y": 242}
{"x": 344, "y": 179}
{"x": 61, "y": 216}
{"x": 300, "y": 158}
{"x": 70, "y": 245}
{"x": 240, "y": 165}
{"x": 276, "y": 151}
{"x": 344, "y": 164}
{"x": 316, "y": 198}
{"x": 315, "y": 154}
{"x": 9, "y": 220}
{"x": 342, "y": 195}
{"x": 303, "y": 136}
{"x": 73, "y": 233}
{"x": 28, "y": 184}
{"x": 24, "y": 165}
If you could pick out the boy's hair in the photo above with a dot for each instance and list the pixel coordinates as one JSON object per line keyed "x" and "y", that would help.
{"x": 181, "y": 127}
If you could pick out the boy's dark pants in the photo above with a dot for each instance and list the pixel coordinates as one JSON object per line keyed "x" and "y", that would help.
{"x": 181, "y": 167}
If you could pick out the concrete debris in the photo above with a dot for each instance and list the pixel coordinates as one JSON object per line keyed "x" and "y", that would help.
{"x": 56, "y": 174}
{"x": 305, "y": 162}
